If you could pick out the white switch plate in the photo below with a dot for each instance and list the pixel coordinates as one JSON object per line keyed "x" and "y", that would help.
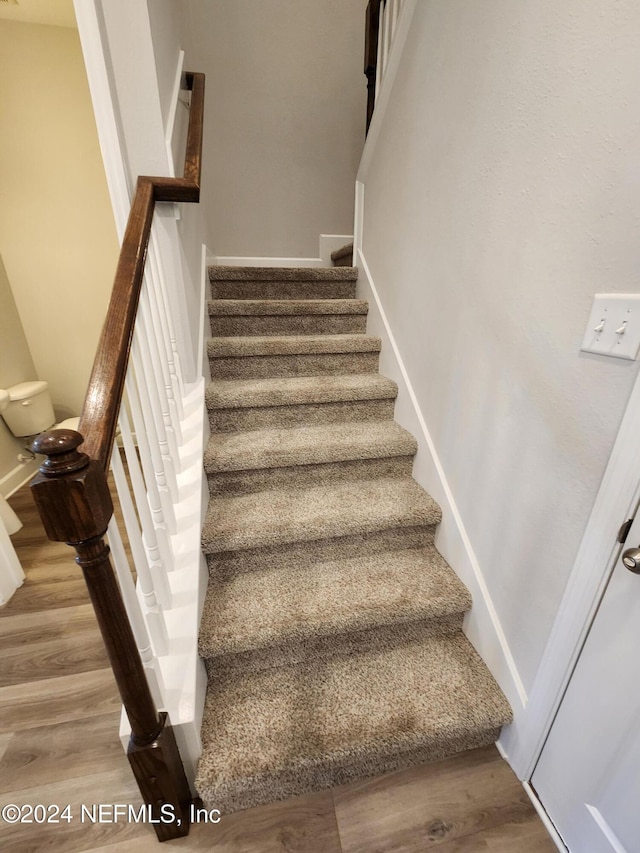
{"x": 610, "y": 313}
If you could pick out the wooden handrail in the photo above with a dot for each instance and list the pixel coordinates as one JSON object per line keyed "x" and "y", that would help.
{"x": 73, "y": 498}
{"x": 371, "y": 34}
{"x": 99, "y": 416}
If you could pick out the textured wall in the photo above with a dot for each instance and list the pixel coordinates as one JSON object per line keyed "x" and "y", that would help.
{"x": 504, "y": 192}
{"x": 285, "y": 120}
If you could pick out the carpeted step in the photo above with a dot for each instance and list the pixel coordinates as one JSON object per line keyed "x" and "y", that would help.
{"x": 297, "y": 457}
{"x": 287, "y": 316}
{"x": 281, "y": 517}
{"x": 292, "y": 355}
{"x": 247, "y": 404}
{"x": 280, "y": 732}
{"x": 283, "y": 282}
{"x": 272, "y": 611}
{"x": 343, "y": 257}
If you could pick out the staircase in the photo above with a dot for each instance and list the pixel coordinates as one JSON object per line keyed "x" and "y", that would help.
{"x": 331, "y": 629}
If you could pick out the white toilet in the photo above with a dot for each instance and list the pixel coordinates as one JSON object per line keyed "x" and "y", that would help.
{"x": 27, "y": 410}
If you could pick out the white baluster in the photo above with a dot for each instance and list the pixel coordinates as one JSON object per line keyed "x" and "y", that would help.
{"x": 160, "y": 501}
{"x": 159, "y": 296}
{"x": 173, "y": 419}
{"x": 155, "y": 365}
{"x": 154, "y": 585}
{"x": 136, "y": 620}
{"x": 155, "y": 535}
{"x": 148, "y": 394}
{"x": 164, "y": 300}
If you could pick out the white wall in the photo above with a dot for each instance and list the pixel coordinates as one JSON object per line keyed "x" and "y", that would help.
{"x": 504, "y": 191}
{"x": 57, "y": 236}
{"x": 285, "y": 120}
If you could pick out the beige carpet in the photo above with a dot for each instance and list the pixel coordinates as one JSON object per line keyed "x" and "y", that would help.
{"x": 331, "y": 629}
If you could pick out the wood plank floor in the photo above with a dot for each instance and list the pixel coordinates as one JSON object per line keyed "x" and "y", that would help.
{"x": 59, "y": 715}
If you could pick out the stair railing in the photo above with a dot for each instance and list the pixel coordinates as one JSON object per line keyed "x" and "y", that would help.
{"x": 380, "y": 28}
{"x": 136, "y": 392}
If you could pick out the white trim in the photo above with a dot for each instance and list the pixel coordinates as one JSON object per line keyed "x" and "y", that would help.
{"x": 233, "y": 261}
{"x": 616, "y": 501}
{"x": 358, "y": 225}
{"x": 382, "y": 98}
{"x": 544, "y": 817}
{"x": 482, "y": 625}
{"x": 204, "y": 326}
{"x": 102, "y": 99}
{"x": 171, "y": 117}
{"x": 18, "y": 477}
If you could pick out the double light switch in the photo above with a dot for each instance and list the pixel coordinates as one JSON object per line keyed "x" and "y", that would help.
{"x": 614, "y": 326}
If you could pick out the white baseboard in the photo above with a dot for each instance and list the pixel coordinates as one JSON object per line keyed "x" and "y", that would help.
{"x": 481, "y": 625}
{"x": 544, "y": 817}
{"x": 18, "y": 476}
{"x": 327, "y": 243}
{"x": 232, "y": 261}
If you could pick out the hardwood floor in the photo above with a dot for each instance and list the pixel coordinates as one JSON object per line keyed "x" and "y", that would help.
{"x": 59, "y": 715}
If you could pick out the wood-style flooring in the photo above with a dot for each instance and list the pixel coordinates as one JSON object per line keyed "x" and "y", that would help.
{"x": 59, "y": 716}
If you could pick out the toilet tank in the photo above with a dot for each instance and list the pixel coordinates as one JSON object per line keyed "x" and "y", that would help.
{"x": 30, "y": 410}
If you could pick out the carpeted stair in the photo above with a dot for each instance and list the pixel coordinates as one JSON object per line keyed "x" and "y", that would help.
{"x": 343, "y": 257}
{"x": 331, "y": 629}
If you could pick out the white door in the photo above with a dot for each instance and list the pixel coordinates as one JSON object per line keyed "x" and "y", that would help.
{"x": 588, "y": 775}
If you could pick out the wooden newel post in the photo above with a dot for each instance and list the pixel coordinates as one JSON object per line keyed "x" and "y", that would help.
{"x": 73, "y": 499}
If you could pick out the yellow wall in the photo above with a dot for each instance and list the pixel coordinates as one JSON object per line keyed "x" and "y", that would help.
{"x": 15, "y": 366}
{"x": 57, "y": 235}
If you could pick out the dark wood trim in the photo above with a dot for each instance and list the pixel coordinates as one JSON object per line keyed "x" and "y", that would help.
{"x": 99, "y": 416}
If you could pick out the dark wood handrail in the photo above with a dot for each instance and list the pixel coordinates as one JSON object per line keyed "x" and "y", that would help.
{"x": 99, "y": 416}
{"x": 371, "y": 34}
{"x": 73, "y": 498}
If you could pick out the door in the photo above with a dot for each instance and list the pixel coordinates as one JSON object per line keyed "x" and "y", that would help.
{"x": 588, "y": 775}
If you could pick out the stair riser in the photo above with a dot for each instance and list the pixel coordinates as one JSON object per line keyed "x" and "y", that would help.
{"x": 310, "y": 414}
{"x": 295, "y": 324}
{"x": 377, "y": 637}
{"x": 316, "y": 364}
{"x": 283, "y": 289}
{"x": 226, "y": 564}
{"x": 229, "y": 483}
{"x": 347, "y": 261}
{"x": 245, "y": 794}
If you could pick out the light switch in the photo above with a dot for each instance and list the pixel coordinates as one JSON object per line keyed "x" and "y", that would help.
{"x": 614, "y": 325}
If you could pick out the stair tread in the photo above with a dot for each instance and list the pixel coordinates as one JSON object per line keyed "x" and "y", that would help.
{"x": 342, "y": 252}
{"x": 285, "y": 604}
{"x": 274, "y": 448}
{"x": 291, "y": 345}
{"x": 287, "y": 391}
{"x": 225, "y": 273}
{"x": 277, "y": 307}
{"x": 281, "y": 516}
{"x": 279, "y": 732}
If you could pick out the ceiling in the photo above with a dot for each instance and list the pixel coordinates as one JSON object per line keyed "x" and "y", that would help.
{"x": 58, "y": 13}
